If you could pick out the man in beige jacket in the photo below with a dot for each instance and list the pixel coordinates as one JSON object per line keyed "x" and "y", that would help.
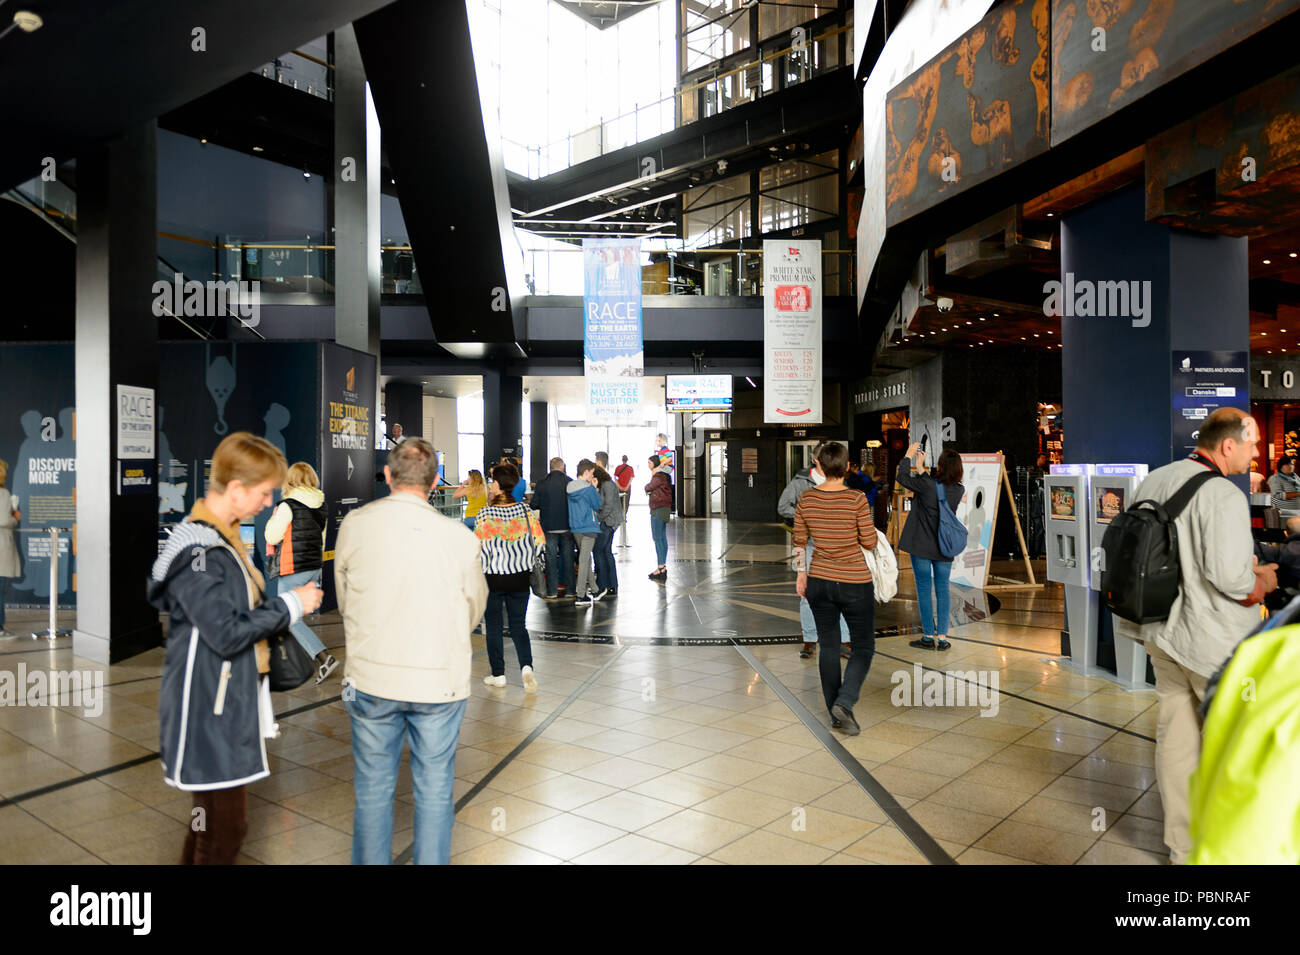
{"x": 410, "y": 588}
{"x": 1216, "y": 607}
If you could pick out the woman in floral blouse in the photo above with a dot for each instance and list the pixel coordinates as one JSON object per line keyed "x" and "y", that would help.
{"x": 512, "y": 541}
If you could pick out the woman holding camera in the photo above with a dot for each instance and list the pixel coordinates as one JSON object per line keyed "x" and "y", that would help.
{"x": 920, "y": 539}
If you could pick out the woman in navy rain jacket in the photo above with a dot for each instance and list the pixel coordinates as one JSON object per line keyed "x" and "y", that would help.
{"x": 214, "y": 706}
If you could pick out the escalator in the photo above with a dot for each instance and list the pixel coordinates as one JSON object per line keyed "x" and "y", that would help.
{"x": 43, "y": 275}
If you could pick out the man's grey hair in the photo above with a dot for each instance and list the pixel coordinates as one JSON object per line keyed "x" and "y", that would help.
{"x": 413, "y": 464}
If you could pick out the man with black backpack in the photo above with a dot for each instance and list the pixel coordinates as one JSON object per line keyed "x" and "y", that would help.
{"x": 1220, "y": 586}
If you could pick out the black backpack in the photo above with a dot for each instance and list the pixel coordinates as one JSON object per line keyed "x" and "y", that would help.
{"x": 1141, "y": 575}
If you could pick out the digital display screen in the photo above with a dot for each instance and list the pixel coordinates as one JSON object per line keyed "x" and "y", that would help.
{"x": 698, "y": 393}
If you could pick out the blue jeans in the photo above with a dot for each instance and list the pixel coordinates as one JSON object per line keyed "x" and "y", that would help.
{"x": 379, "y": 728}
{"x": 936, "y": 573}
{"x": 559, "y": 561}
{"x": 809, "y": 626}
{"x": 469, "y": 521}
{"x": 301, "y": 632}
{"x": 606, "y": 572}
{"x": 806, "y": 622}
{"x": 513, "y": 605}
{"x": 829, "y": 600}
{"x": 659, "y": 531}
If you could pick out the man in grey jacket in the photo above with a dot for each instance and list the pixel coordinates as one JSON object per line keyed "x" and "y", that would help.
{"x": 1215, "y": 608}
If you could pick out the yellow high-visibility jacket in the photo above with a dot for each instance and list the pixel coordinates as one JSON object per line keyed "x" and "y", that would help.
{"x": 1245, "y": 794}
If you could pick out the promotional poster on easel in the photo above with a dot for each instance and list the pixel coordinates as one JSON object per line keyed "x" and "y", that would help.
{"x": 984, "y": 477}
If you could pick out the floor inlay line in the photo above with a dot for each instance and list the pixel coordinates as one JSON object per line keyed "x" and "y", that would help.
{"x": 1029, "y": 699}
{"x": 405, "y": 855}
{"x": 900, "y": 817}
{"x": 137, "y": 761}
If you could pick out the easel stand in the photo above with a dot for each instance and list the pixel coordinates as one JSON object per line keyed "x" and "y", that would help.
{"x": 1007, "y": 584}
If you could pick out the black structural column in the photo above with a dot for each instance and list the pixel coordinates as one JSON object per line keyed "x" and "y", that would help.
{"x": 503, "y": 426}
{"x": 540, "y": 464}
{"x": 404, "y": 405}
{"x": 356, "y": 200}
{"x": 117, "y": 344}
{"x": 1117, "y": 374}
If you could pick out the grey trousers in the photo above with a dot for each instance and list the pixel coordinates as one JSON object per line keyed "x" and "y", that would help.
{"x": 586, "y": 543}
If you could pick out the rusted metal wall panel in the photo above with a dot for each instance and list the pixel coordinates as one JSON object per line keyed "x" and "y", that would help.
{"x": 1143, "y": 45}
{"x": 973, "y": 111}
{"x": 1234, "y": 169}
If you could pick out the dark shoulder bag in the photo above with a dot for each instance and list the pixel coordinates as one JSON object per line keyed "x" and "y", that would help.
{"x": 291, "y": 665}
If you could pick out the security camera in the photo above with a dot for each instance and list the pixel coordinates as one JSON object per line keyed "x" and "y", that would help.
{"x": 944, "y": 304}
{"x": 722, "y": 167}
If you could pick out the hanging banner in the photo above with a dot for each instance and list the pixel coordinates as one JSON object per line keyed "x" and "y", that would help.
{"x": 792, "y": 331}
{"x": 613, "y": 352}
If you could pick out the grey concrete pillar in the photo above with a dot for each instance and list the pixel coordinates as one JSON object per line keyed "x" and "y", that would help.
{"x": 117, "y": 343}
{"x": 540, "y": 464}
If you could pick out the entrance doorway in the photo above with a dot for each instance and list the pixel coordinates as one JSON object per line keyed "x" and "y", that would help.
{"x": 716, "y": 452}
{"x": 799, "y": 455}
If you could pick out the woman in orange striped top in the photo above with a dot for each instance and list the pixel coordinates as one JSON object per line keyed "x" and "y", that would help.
{"x": 838, "y": 520}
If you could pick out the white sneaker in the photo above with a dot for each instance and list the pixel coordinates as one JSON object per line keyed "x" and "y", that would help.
{"x": 600, "y": 593}
{"x": 530, "y": 681}
{"x": 495, "y": 680}
{"x": 328, "y": 666}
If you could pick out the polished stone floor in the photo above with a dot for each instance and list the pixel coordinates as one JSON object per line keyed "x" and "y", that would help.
{"x": 675, "y": 724}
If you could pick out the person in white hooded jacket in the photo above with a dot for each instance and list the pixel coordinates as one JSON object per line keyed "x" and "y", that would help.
{"x": 295, "y": 551}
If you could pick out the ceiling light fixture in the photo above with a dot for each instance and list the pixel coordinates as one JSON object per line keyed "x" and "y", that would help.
{"x": 258, "y": 149}
{"x": 1268, "y": 261}
{"x": 27, "y": 21}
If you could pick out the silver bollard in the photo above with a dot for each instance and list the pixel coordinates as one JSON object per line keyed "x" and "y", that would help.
{"x": 625, "y": 498}
{"x": 53, "y": 631}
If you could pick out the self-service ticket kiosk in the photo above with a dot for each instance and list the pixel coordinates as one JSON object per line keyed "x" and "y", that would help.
{"x": 1065, "y": 503}
{"x": 1112, "y": 490}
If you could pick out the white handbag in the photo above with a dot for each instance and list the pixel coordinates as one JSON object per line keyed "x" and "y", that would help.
{"x": 884, "y": 569}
